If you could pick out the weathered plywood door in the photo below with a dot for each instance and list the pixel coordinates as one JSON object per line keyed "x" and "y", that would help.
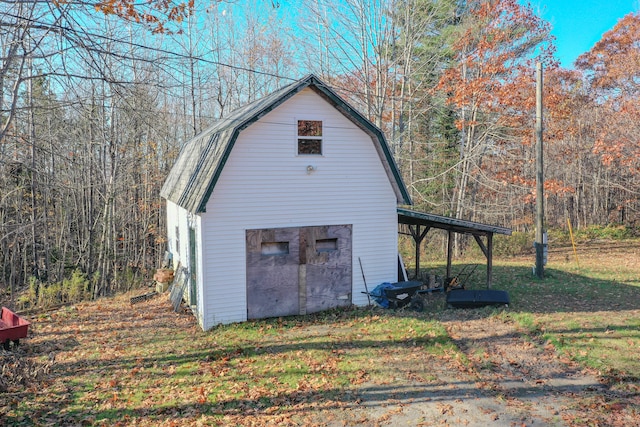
{"x": 272, "y": 272}
{"x": 298, "y": 270}
{"x": 327, "y": 267}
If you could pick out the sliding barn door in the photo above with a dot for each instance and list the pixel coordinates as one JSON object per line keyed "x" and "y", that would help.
{"x": 298, "y": 270}
{"x": 328, "y": 267}
{"x": 272, "y": 272}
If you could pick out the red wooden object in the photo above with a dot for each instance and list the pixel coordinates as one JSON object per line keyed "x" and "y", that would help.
{"x": 12, "y": 326}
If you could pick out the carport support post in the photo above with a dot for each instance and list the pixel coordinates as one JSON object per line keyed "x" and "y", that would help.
{"x": 489, "y": 260}
{"x": 418, "y": 241}
{"x": 488, "y": 253}
{"x": 449, "y": 252}
{"x": 418, "y": 237}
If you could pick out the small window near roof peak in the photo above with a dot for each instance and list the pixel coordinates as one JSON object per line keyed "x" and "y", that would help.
{"x": 309, "y": 137}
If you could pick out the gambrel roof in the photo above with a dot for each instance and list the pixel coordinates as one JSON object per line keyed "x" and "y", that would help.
{"x": 194, "y": 176}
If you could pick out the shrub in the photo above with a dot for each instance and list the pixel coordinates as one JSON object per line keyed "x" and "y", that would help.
{"x": 131, "y": 278}
{"x": 49, "y": 295}
{"x": 76, "y": 288}
{"x": 596, "y": 232}
{"x": 73, "y": 289}
{"x": 518, "y": 243}
{"x": 29, "y": 296}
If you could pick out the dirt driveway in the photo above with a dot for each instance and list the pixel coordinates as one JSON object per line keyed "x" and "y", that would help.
{"x": 507, "y": 379}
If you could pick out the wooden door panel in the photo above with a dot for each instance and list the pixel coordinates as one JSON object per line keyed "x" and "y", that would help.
{"x": 272, "y": 273}
{"x": 328, "y": 271}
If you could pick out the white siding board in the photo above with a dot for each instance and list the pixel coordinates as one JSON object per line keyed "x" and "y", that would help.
{"x": 172, "y": 220}
{"x": 178, "y": 216}
{"x": 200, "y": 254}
{"x": 264, "y": 184}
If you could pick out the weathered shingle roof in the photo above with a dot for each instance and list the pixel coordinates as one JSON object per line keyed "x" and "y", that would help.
{"x": 194, "y": 175}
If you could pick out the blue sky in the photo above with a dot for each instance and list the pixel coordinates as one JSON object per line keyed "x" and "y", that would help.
{"x": 579, "y": 24}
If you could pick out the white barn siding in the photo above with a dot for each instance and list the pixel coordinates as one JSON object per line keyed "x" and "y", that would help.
{"x": 174, "y": 213}
{"x": 178, "y": 245}
{"x": 265, "y": 184}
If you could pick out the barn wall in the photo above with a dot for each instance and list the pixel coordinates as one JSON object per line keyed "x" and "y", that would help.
{"x": 265, "y": 184}
{"x": 174, "y": 245}
{"x": 178, "y": 245}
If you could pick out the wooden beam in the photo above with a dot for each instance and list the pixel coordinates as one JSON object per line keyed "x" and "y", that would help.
{"x": 488, "y": 253}
{"x": 418, "y": 237}
{"x": 417, "y": 241}
{"x": 489, "y": 260}
{"x": 480, "y": 243}
{"x": 449, "y": 251}
{"x": 424, "y": 233}
{"x": 413, "y": 232}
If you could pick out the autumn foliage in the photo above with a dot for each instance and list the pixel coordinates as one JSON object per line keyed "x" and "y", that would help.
{"x": 491, "y": 85}
{"x": 591, "y": 116}
{"x": 154, "y": 13}
{"x": 613, "y": 70}
{"x": 492, "y": 71}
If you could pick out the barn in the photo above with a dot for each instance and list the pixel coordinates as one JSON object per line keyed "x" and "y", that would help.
{"x": 273, "y": 210}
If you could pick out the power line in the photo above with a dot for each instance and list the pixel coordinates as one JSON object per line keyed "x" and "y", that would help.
{"x": 62, "y": 28}
{"x": 90, "y": 35}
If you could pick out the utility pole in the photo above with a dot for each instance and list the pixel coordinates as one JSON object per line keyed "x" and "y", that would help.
{"x": 539, "y": 243}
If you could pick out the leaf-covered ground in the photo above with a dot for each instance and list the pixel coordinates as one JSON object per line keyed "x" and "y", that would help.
{"x": 112, "y": 363}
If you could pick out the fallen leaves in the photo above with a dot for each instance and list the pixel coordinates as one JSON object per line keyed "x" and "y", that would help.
{"x": 113, "y": 366}
{"x": 17, "y": 372}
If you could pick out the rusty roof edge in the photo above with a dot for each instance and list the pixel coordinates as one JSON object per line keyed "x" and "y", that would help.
{"x": 452, "y": 223}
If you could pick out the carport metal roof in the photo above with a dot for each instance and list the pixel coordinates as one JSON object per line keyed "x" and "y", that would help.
{"x": 419, "y": 224}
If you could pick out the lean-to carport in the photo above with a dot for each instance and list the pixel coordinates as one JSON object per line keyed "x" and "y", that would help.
{"x": 419, "y": 224}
